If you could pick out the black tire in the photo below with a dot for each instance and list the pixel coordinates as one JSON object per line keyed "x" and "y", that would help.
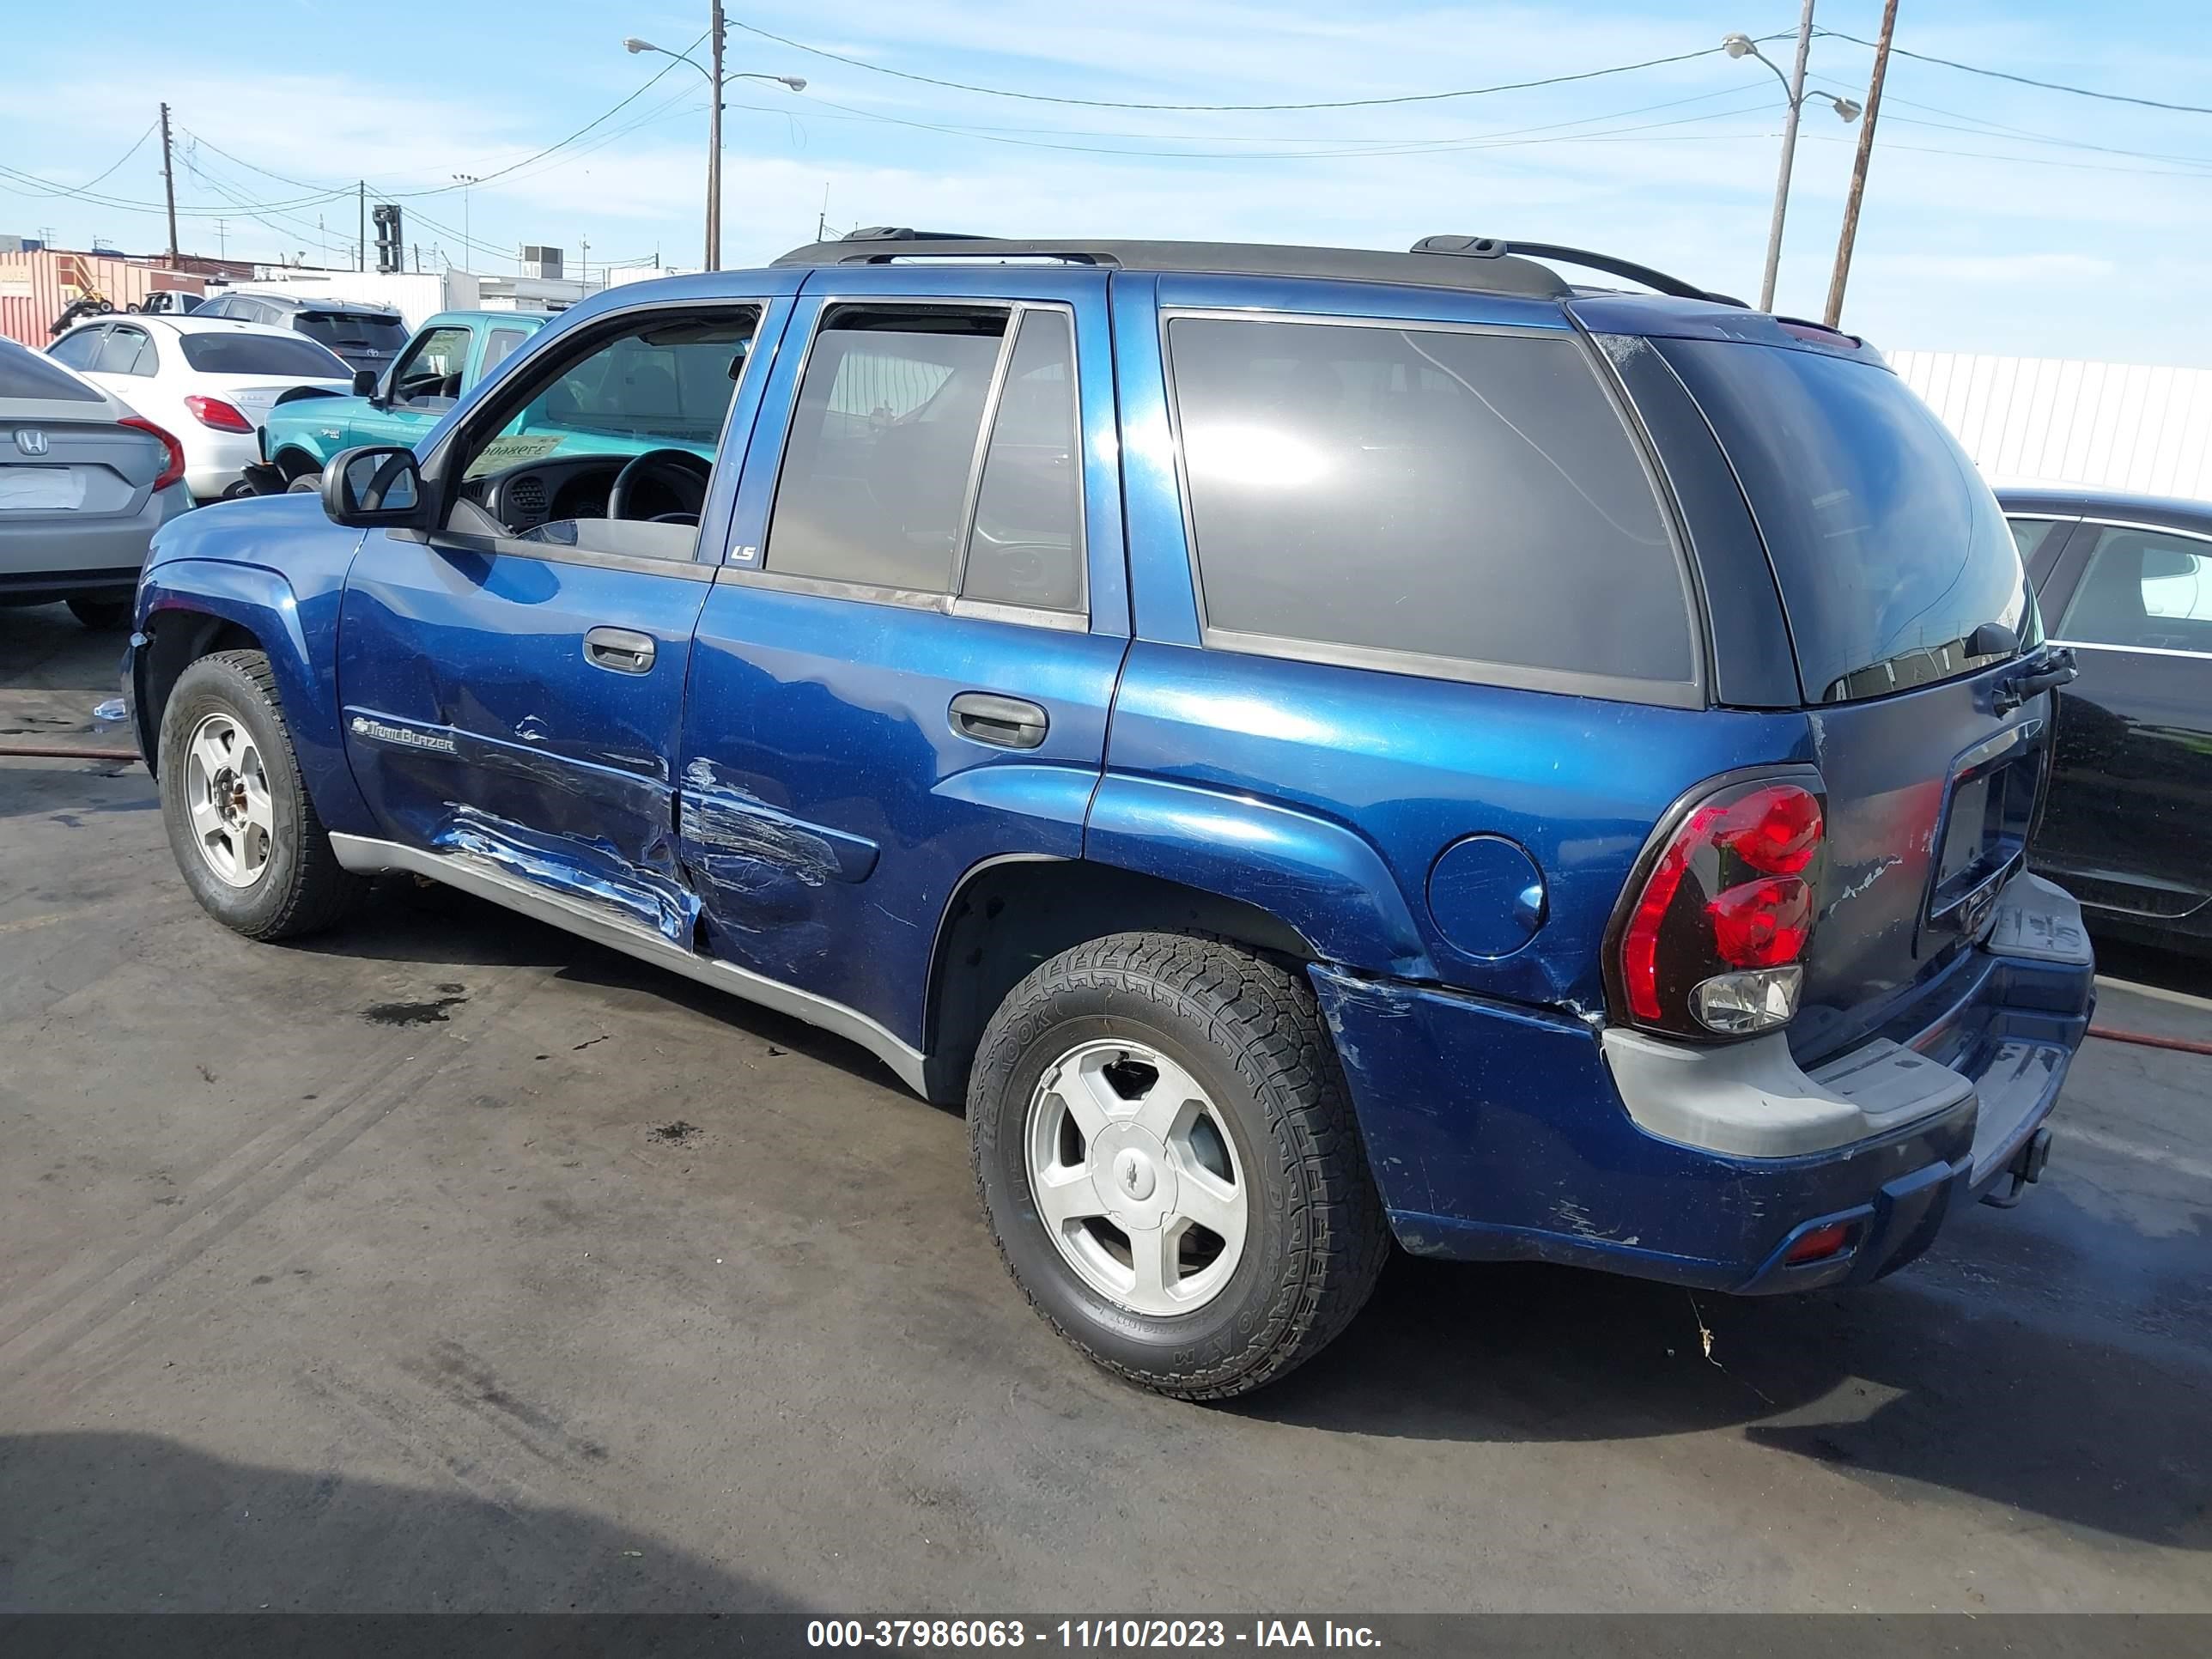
{"x": 302, "y": 889}
{"x": 306, "y": 483}
{"x": 1250, "y": 1033}
{"x": 101, "y": 615}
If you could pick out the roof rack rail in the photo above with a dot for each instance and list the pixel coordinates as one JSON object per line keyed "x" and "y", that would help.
{"x": 1493, "y": 247}
{"x": 889, "y": 245}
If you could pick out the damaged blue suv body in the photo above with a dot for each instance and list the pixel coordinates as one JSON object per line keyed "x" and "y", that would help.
{"x": 1311, "y": 747}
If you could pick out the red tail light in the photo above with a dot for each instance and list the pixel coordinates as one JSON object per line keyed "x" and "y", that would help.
{"x": 215, "y": 413}
{"x": 1713, "y": 941}
{"x": 172, "y": 465}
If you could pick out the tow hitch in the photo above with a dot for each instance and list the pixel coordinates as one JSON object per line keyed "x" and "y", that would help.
{"x": 2025, "y": 1169}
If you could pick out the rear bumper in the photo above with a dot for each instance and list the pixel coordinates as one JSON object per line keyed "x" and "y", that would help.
{"x": 1497, "y": 1133}
{"x": 56, "y": 556}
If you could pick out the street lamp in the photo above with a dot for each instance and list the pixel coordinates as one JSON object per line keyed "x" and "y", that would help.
{"x": 1793, "y": 88}
{"x": 715, "y": 76}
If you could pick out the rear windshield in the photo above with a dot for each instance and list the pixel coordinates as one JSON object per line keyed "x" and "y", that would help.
{"x": 1889, "y": 549}
{"x": 353, "y": 331}
{"x": 26, "y": 375}
{"x": 262, "y": 354}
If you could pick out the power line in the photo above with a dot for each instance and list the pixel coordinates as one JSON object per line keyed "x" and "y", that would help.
{"x": 2026, "y": 80}
{"x": 1313, "y": 104}
{"x": 125, "y": 156}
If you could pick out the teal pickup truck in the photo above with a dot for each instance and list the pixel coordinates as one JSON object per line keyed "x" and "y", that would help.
{"x": 447, "y": 356}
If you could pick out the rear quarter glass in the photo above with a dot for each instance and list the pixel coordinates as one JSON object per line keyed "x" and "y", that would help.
{"x": 1888, "y": 547}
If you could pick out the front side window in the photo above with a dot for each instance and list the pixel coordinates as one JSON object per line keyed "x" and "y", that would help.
{"x": 430, "y": 375}
{"x": 606, "y": 446}
{"x": 2144, "y": 590}
{"x": 1464, "y": 503}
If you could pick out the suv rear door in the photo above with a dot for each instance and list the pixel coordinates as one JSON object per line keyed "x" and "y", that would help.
{"x": 905, "y": 666}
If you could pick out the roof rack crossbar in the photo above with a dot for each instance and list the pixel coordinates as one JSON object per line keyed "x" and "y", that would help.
{"x": 1492, "y": 247}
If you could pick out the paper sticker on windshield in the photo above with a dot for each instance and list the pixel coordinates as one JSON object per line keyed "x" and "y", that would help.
{"x": 503, "y": 452}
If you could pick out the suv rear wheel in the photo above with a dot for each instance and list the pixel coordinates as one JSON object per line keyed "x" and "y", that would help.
{"x": 245, "y": 834}
{"x": 1169, "y": 1164}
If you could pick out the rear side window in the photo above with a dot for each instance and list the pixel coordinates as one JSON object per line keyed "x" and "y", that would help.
{"x": 1025, "y": 546}
{"x": 222, "y": 352}
{"x": 1433, "y": 501}
{"x": 500, "y": 346}
{"x": 24, "y": 374}
{"x": 1889, "y": 549}
{"x": 126, "y": 351}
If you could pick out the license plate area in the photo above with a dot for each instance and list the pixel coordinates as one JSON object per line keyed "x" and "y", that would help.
{"x": 1983, "y": 836}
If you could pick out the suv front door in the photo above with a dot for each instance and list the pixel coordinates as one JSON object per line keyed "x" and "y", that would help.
{"x": 905, "y": 666}
{"x": 511, "y": 684}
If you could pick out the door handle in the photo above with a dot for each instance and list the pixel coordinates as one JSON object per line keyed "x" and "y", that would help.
{"x": 623, "y": 650}
{"x": 1001, "y": 722}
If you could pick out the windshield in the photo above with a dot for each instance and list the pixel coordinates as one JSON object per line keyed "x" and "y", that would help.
{"x": 1889, "y": 549}
{"x": 262, "y": 354}
{"x": 354, "y": 332}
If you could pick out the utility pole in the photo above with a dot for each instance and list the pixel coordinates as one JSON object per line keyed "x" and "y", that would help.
{"x": 1833, "y": 315}
{"x": 584, "y": 257}
{"x": 360, "y": 247}
{"x": 1788, "y": 154}
{"x": 221, "y": 239}
{"x": 169, "y": 187}
{"x": 715, "y": 151}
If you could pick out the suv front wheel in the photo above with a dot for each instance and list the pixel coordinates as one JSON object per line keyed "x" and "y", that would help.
{"x": 1169, "y": 1164}
{"x": 244, "y": 831}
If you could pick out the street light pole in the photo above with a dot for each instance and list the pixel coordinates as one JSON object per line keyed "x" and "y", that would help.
{"x": 714, "y": 149}
{"x": 1789, "y": 154}
{"x": 715, "y": 77}
{"x": 468, "y": 243}
{"x": 1792, "y": 88}
{"x": 1833, "y": 315}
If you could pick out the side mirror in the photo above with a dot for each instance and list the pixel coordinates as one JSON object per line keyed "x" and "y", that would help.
{"x": 376, "y": 486}
{"x": 364, "y": 383}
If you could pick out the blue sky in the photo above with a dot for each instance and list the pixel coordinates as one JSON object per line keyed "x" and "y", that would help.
{"x": 1998, "y": 218}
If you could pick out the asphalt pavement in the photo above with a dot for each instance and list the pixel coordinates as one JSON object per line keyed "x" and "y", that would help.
{"x": 449, "y": 1262}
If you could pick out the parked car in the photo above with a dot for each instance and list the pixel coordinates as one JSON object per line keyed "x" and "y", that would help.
{"x": 208, "y": 380}
{"x": 1310, "y": 746}
{"x": 84, "y": 483}
{"x": 368, "y": 337}
{"x": 441, "y": 364}
{"x": 2126, "y": 582}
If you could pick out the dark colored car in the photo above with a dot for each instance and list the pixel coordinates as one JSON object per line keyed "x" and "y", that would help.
{"x": 367, "y": 336}
{"x": 2126, "y": 581}
{"x": 1311, "y": 746}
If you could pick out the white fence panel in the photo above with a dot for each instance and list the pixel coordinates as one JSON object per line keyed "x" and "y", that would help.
{"x": 2058, "y": 421}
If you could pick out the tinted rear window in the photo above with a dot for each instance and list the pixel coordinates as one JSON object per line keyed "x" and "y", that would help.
{"x": 262, "y": 354}
{"x": 1889, "y": 548}
{"x": 1428, "y": 500}
{"x": 347, "y": 332}
{"x": 26, "y": 375}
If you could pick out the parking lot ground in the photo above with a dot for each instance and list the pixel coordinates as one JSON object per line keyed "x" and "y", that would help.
{"x": 448, "y": 1262}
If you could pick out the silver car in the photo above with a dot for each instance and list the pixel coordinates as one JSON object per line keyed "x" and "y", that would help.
{"x": 84, "y": 483}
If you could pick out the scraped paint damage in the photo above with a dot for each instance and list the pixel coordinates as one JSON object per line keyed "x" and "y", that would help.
{"x": 647, "y": 888}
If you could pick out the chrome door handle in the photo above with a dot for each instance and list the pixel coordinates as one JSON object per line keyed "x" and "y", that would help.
{"x": 1001, "y": 722}
{"x": 623, "y": 650}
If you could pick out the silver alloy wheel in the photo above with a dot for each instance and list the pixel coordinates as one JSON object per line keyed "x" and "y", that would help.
{"x": 226, "y": 795}
{"x": 1134, "y": 1178}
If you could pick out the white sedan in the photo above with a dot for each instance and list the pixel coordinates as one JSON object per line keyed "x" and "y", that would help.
{"x": 210, "y": 381}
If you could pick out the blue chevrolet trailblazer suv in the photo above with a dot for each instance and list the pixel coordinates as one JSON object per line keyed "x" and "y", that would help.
{"x": 1312, "y": 747}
